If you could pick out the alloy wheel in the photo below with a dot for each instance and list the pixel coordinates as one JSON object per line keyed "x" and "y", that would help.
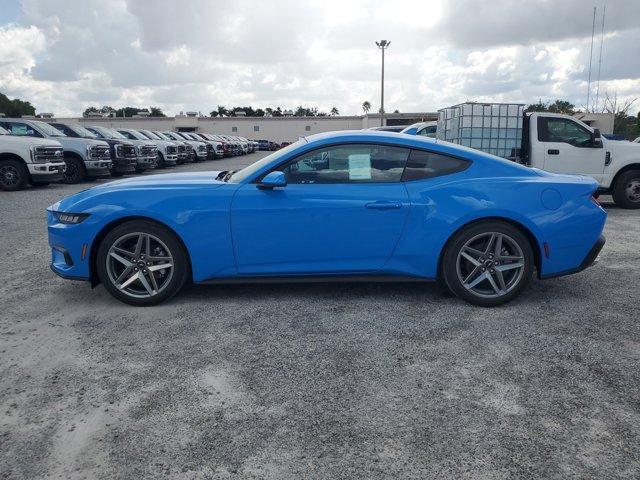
{"x": 633, "y": 190}
{"x": 9, "y": 175}
{"x": 490, "y": 264}
{"x": 140, "y": 265}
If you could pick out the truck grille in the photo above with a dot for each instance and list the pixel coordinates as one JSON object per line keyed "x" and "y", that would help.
{"x": 129, "y": 150}
{"x": 148, "y": 151}
{"x": 171, "y": 150}
{"x": 99, "y": 152}
{"x": 182, "y": 149}
{"x": 47, "y": 154}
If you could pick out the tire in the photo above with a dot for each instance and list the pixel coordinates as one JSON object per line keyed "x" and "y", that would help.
{"x": 13, "y": 175}
{"x": 74, "y": 171}
{"x": 626, "y": 189}
{"x": 165, "y": 249}
{"x": 160, "y": 161}
{"x": 471, "y": 269}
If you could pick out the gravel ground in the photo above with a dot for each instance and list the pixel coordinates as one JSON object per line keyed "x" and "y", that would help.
{"x": 315, "y": 381}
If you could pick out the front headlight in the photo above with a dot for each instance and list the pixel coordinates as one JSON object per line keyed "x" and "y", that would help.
{"x": 71, "y": 218}
{"x": 119, "y": 150}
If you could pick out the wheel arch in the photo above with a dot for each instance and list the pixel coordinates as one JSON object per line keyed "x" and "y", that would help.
{"x": 625, "y": 169}
{"x": 93, "y": 251}
{"x": 535, "y": 245}
{"x": 12, "y": 156}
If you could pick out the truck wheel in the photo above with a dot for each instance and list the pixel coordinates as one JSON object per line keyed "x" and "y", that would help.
{"x": 160, "y": 161}
{"x": 487, "y": 263}
{"x": 74, "y": 171}
{"x": 13, "y": 175}
{"x": 626, "y": 190}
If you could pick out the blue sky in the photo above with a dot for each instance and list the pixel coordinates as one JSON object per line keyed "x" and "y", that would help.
{"x": 65, "y": 55}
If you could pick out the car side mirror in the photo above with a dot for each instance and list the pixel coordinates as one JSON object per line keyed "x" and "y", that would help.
{"x": 596, "y": 138}
{"x": 273, "y": 180}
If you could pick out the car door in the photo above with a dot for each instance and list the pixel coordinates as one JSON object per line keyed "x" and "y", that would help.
{"x": 568, "y": 147}
{"x": 342, "y": 211}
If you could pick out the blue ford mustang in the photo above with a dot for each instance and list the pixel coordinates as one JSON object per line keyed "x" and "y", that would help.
{"x": 341, "y": 205}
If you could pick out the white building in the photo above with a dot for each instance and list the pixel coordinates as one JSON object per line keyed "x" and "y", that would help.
{"x": 277, "y": 129}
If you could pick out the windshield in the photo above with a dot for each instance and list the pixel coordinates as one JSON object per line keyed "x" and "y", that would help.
{"x": 163, "y": 136}
{"x": 83, "y": 132}
{"x": 150, "y": 135}
{"x": 111, "y": 133}
{"x": 49, "y": 130}
{"x": 240, "y": 175}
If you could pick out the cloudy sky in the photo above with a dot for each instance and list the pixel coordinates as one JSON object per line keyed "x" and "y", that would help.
{"x": 64, "y": 55}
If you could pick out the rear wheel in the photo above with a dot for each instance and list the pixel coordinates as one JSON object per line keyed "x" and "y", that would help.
{"x": 488, "y": 263}
{"x": 160, "y": 162}
{"x": 13, "y": 175}
{"x": 74, "y": 171}
{"x": 626, "y": 189}
{"x": 141, "y": 263}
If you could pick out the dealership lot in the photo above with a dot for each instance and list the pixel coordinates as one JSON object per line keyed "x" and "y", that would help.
{"x": 315, "y": 380}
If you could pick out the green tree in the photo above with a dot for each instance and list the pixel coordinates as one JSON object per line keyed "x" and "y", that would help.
{"x": 537, "y": 107}
{"x": 334, "y": 111}
{"x": 15, "y": 107}
{"x": 366, "y": 106}
{"x": 562, "y": 106}
{"x": 156, "y": 112}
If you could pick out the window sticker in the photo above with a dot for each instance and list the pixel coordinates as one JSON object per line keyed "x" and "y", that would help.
{"x": 360, "y": 166}
{"x": 19, "y": 129}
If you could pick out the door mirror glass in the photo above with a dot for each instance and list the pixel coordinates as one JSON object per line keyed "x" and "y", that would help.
{"x": 273, "y": 180}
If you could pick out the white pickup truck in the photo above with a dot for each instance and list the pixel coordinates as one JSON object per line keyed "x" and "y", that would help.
{"x": 549, "y": 141}
{"x": 23, "y": 160}
{"x": 563, "y": 144}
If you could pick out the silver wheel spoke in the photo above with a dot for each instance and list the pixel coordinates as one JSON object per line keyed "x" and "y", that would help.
{"x": 121, "y": 259}
{"x": 498, "y": 248}
{"x": 490, "y": 244}
{"x": 500, "y": 278}
{"x": 122, "y": 251}
{"x": 470, "y": 258}
{"x": 145, "y": 283}
{"x": 510, "y": 258}
{"x": 493, "y": 284}
{"x": 509, "y": 266}
{"x": 473, "y": 251}
{"x": 155, "y": 268}
{"x": 129, "y": 281}
{"x": 478, "y": 279}
{"x": 139, "y": 245}
{"x": 154, "y": 284}
{"x": 123, "y": 275}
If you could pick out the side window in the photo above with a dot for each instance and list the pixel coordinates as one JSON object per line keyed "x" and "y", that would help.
{"x": 22, "y": 129}
{"x": 127, "y": 134}
{"x": 348, "y": 164}
{"x": 422, "y": 164}
{"x": 66, "y": 130}
{"x": 563, "y": 130}
{"x": 428, "y": 131}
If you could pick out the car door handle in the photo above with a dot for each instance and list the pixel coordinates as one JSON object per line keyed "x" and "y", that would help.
{"x": 383, "y": 205}
{"x": 553, "y": 151}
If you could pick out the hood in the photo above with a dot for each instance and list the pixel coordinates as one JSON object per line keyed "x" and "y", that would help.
{"x": 72, "y": 142}
{"x": 623, "y": 149}
{"x": 76, "y": 203}
{"x": 20, "y": 140}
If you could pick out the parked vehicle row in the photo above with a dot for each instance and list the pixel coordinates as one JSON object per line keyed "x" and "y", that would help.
{"x": 39, "y": 153}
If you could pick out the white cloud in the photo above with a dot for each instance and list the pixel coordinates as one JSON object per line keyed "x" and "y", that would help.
{"x": 64, "y": 55}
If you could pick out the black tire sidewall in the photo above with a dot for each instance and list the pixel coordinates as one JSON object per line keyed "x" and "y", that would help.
{"x": 448, "y": 265}
{"x": 619, "y": 195}
{"x": 173, "y": 244}
{"x": 23, "y": 175}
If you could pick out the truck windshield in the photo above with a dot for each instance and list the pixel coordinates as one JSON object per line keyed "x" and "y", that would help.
{"x": 83, "y": 132}
{"x": 163, "y": 136}
{"x": 114, "y": 134}
{"x": 49, "y": 130}
{"x": 150, "y": 135}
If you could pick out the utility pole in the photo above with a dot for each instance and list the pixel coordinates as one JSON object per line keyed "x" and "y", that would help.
{"x": 593, "y": 31}
{"x": 382, "y": 45}
{"x": 604, "y": 12}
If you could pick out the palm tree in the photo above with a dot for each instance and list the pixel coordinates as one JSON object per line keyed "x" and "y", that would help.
{"x": 222, "y": 111}
{"x": 366, "y": 106}
{"x": 334, "y": 111}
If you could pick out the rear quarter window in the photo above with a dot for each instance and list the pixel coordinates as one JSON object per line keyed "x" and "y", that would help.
{"x": 422, "y": 164}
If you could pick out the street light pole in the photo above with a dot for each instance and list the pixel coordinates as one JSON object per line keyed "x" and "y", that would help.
{"x": 382, "y": 45}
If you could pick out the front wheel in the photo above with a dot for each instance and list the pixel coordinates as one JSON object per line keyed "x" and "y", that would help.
{"x": 13, "y": 175}
{"x": 74, "y": 171}
{"x": 626, "y": 189}
{"x": 488, "y": 263}
{"x": 141, "y": 263}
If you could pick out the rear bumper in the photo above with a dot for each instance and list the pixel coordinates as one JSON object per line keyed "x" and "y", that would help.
{"x": 590, "y": 259}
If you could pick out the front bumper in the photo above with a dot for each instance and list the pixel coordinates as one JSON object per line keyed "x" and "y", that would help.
{"x": 145, "y": 163}
{"x": 125, "y": 165}
{"x": 47, "y": 172}
{"x": 98, "y": 168}
{"x": 67, "y": 244}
